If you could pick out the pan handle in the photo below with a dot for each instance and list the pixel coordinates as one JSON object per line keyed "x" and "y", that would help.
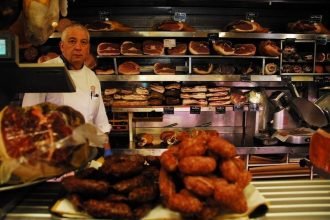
{"x": 293, "y": 90}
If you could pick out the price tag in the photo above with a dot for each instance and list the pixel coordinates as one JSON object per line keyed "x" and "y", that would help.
{"x": 315, "y": 19}
{"x": 253, "y": 107}
{"x": 180, "y": 16}
{"x": 318, "y": 79}
{"x": 169, "y": 43}
{"x": 213, "y": 37}
{"x": 104, "y": 15}
{"x": 322, "y": 80}
{"x": 169, "y": 110}
{"x": 245, "y": 78}
{"x": 321, "y": 40}
{"x": 238, "y": 108}
{"x": 250, "y": 16}
{"x": 195, "y": 110}
{"x": 286, "y": 78}
{"x": 220, "y": 109}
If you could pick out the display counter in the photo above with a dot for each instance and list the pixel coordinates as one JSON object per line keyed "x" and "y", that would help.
{"x": 288, "y": 199}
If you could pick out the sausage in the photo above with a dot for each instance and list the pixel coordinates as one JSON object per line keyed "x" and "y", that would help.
{"x": 197, "y": 165}
{"x": 200, "y": 185}
{"x": 185, "y": 203}
{"x": 221, "y": 147}
{"x": 169, "y": 160}
{"x": 166, "y": 184}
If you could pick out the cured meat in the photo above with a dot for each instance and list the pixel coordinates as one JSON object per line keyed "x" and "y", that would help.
{"x": 48, "y": 56}
{"x": 172, "y": 92}
{"x": 219, "y": 98}
{"x": 40, "y": 19}
{"x": 199, "y": 48}
{"x": 319, "y": 69}
{"x": 104, "y": 69}
{"x": 172, "y": 100}
{"x": 151, "y": 47}
{"x": 122, "y": 103}
{"x": 218, "y": 89}
{"x": 238, "y": 98}
{"x": 194, "y": 89}
{"x": 142, "y": 91}
{"x": 164, "y": 69}
{"x": 155, "y": 102}
{"x": 108, "y": 49}
{"x": 320, "y": 57}
{"x": 225, "y": 69}
{"x": 30, "y": 135}
{"x": 179, "y": 49}
{"x": 30, "y": 54}
{"x": 108, "y": 71}
{"x": 194, "y": 102}
{"x": 173, "y": 86}
{"x": 271, "y": 68}
{"x": 307, "y": 27}
{"x": 130, "y": 48}
{"x": 129, "y": 68}
{"x": 157, "y": 88}
{"x": 108, "y": 26}
{"x": 245, "y": 49}
{"x": 245, "y": 27}
{"x": 110, "y": 91}
{"x": 62, "y": 24}
{"x": 131, "y": 97}
{"x": 203, "y": 69}
{"x": 223, "y": 48}
{"x": 171, "y": 25}
{"x": 197, "y": 95}
{"x": 269, "y": 48}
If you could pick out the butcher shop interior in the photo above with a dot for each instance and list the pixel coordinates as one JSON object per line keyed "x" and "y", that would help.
{"x": 219, "y": 110}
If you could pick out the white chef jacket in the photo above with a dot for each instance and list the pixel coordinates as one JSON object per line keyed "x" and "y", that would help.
{"x": 87, "y": 99}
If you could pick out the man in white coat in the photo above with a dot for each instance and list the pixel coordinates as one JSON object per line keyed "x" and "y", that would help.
{"x": 75, "y": 47}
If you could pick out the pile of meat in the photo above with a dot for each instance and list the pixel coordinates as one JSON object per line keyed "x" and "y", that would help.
{"x": 201, "y": 176}
{"x": 124, "y": 187}
{"x": 173, "y": 94}
{"x": 126, "y": 97}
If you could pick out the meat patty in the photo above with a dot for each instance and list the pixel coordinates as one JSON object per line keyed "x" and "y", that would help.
{"x": 74, "y": 184}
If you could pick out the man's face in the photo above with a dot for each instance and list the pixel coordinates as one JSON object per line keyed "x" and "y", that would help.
{"x": 75, "y": 48}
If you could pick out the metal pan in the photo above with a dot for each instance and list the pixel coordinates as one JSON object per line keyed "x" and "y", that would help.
{"x": 305, "y": 111}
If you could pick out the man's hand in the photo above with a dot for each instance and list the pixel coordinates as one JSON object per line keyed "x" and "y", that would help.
{"x": 107, "y": 150}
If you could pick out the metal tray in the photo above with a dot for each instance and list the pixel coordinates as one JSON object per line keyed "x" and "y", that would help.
{"x": 6, "y": 187}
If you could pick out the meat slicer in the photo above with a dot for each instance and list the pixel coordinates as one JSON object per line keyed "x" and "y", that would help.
{"x": 295, "y": 119}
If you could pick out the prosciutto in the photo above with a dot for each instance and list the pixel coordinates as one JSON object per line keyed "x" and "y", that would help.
{"x": 41, "y": 18}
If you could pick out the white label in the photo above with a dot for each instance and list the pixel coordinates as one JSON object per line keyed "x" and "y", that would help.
{"x": 169, "y": 43}
{"x": 180, "y": 16}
